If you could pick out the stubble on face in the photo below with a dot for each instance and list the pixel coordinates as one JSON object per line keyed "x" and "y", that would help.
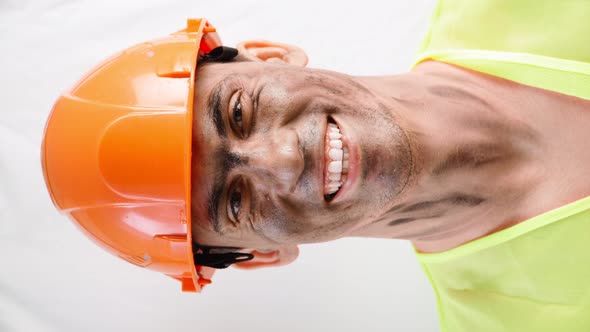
{"x": 301, "y": 100}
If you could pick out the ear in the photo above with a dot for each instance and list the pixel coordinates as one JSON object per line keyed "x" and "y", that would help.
{"x": 260, "y": 50}
{"x": 268, "y": 258}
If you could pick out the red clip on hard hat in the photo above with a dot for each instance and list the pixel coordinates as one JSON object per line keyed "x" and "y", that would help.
{"x": 117, "y": 153}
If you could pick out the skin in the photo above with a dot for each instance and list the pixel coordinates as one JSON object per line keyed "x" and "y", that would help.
{"x": 443, "y": 155}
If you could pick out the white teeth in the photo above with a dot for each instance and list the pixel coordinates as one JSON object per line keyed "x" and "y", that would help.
{"x": 335, "y": 154}
{"x": 335, "y": 176}
{"x": 334, "y": 185}
{"x": 334, "y": 135}
{"x": 336, "y": 143}
{"x": 335, "y": 166}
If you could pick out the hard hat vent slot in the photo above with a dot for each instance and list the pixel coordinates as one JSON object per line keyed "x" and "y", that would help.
{"x": 138, "y": 260}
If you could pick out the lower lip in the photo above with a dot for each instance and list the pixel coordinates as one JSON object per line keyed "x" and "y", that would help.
{"x": 353, "y": 166}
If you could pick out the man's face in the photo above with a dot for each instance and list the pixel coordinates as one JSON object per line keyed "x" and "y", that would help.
{"x": 263, "y": 144}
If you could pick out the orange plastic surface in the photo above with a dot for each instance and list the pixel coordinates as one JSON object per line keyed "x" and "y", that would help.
{"x": 117, "y": 153}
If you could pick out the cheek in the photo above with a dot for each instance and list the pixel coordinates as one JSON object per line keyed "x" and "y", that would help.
{"x": 287, "y": 222}
{"x": 274, "y": 223}
{"x": 273, "y": 101}
{"x": 276, "y": 92}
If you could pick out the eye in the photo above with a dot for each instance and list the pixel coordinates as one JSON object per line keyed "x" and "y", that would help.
{"x": 235, "y": 203}
{"x": 236, "y": 114}
{"x": 240, "y": 114}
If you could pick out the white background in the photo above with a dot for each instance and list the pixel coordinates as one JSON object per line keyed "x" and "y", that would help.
{"x": 54, "y": 279}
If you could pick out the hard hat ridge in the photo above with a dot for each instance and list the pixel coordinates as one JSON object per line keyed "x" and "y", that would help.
{"x": 117, "y": 153}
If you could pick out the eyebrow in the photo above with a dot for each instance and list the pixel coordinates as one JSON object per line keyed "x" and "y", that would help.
{"x": 228, "y": 161}
{"x": 214, "y": 108}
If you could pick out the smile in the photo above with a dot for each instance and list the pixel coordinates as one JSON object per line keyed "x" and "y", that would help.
{"x": 336, "y": 157}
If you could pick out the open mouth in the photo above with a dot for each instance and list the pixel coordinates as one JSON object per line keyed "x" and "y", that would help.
{"x": 336, "y": 160}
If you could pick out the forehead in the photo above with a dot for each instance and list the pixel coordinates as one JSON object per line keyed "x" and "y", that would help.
{"x": 204, "y": 141}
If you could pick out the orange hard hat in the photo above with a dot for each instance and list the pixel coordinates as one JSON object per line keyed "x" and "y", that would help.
{"x": 117, "y": 153}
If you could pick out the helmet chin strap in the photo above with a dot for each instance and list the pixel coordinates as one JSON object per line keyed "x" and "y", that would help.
{"x": 220, "y": 54}
{"x": 204, "y": 256}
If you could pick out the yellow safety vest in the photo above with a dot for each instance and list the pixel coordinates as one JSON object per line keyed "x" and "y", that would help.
{"x": 534, "y": 276}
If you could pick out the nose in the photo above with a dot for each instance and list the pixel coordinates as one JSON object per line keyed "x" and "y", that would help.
{"x": 275, "y": 156}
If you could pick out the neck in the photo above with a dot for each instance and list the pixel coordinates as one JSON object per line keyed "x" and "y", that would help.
{"x": 472, "y": 154}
